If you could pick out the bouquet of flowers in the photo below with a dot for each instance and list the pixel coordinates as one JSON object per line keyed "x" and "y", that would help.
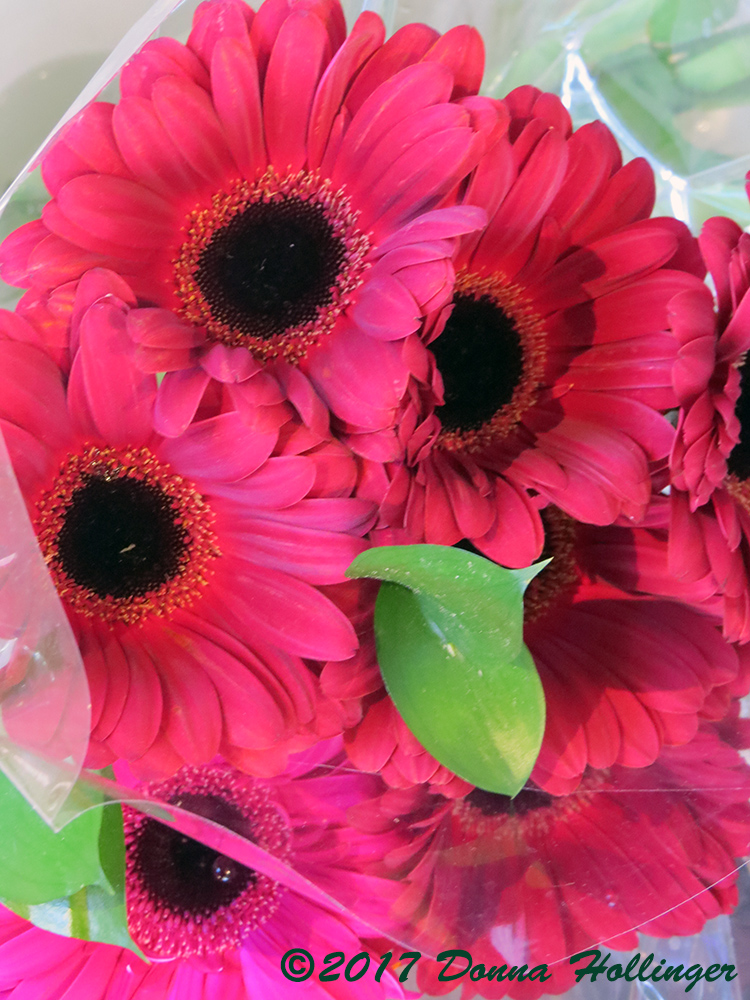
{"x": 391, "y": 464}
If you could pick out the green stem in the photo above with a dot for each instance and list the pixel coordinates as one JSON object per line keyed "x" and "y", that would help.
{"x": 79, "y": 915}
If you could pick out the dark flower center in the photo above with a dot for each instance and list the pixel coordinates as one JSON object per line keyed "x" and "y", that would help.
{"x": 490, "y": 804}
{"x": 183, "y": 875}
{"x": 738, "y": 462}
{"x": 558, "y": 580}
{"x": 271, "y": 264}
{"x": 124, "y": 535}
{"x": 480, "y": 356}
{"x": 272, "y": 267}
{"x": 120, "y": 537}
{"x": 184, "y": 898}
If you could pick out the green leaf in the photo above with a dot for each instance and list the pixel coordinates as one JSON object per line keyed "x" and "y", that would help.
{"x": 93, "y": 914}
{"x": 38, "y": 864}
{"x": 112, "y": 848}
{"x": 449, "y": 634}
{"x": 721, "y": 66}
{"x": 71, "y": 882}
{"x": 679, "y": 22}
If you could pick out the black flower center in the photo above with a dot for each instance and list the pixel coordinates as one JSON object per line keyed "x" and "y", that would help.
{"x": 183, "y": 875}
{"x": 491, "y": 804}
{"x": 558, "y": 581}
{"x": 120, "y": 537}
{"x": 480, "y": 356}
{"x": 271, "y": 267}
{"x": 738, "y": 462}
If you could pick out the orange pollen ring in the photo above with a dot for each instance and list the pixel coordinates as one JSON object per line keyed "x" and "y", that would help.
{"x": 562, "y": 575}
{"x": 505, "y": 831}
{"x": 514, "y": 302}
{"x": 191, "y": 512}
{"x": 204, "y": 222}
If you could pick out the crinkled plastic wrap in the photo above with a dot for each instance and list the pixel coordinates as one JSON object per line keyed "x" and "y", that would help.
{"x": 44, "y": 697}
{"x": 671, "y": 79}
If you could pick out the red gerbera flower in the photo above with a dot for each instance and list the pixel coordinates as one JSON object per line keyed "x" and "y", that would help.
{"x": 624, "y": 673}
{"x": 216, "y": 928}
{"x": 189, "y": 567}
{"x": 273, "y": 185}
{"x": 710, "y": 496}
{"x": 535, "y": 879}
{"x": 543, "y": 380}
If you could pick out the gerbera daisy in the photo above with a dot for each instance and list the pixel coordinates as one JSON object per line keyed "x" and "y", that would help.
{"x": 273, "y": 185}
{"x": 215, "y": 927}
{"x": 710, "y": 465}
{"x": 624, "y": 673}
{"x": 544, "y": 377}
{"x": 189, "y": 567}
{"x": 535, "y": 879}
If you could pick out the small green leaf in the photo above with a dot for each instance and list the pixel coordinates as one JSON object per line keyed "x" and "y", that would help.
{"x": 449, "y": 633}
{"x": 71, "y": 882}
{"x": 92, "y": 913}
{"x": 38, "y": 864}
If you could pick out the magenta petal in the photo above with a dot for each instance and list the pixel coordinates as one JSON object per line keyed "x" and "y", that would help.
{"x": 161, "y": 328}
{"x": 230, "y": 364}
{"x": 462, "y": 50}
{"x": 417, "y": 178}
{"x": 293, "y": 73}
{"x": 414, "y": 88}
{"x": 362, "y": 379}
{"x": 177, "y": 400}
{"x": 291, "y": 614}
{"x": 117, "y": 211}
{"x": 236, "y": 95}
{"x": 90, "y": 137}
{"x": 96, "y": 284}
{"x": 365, "y": 38}
{"x": 424, "y": 122}
{"x": 148, "y": 149}
{"x": 279, "y": 483}
{"x": 32, "y": 395}
{"x": 160, "y": 57}
{"x": 441, "y": 224}
{"x": 219, "y": 448}
{"x": 303, "y": 398}
{"x": 216, "y": 22}
{"x": 120, "y": 397}
{"x": 69, "y": 261}
{"x": 141, "y": 717}
{"x": 318, "y": 557}
{"x": 15, "y": 250}
{"x": 518, "y": 534}
{"x": 192, "y": 710}
{"x": 529, "y": 197}
{"x": 404, "y": 48}
{"x": 265, "y": 29}
{"x": 186, "y": 112}
{"x": 386, "y": 309}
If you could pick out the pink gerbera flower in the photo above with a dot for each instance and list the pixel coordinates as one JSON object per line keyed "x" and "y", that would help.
{"x": 271, "y": 188}
{"x": 624, "y": 673}
{"x": 710, "y": 496}
{"x": 190, "y": 567}
{"x": 215, "y": 927}
{"x": 543, "y": 379}
{"x": 535, "y": 879}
